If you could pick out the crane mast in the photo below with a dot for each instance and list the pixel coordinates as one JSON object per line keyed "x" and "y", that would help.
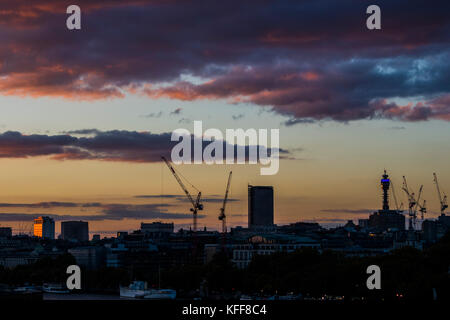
{"x": 222, "y": 216}
{"x": 399, "y": 208}
{"x": 423, "y": 208}
{"x": 442, "y": 197}
{"x": 418, "y": 198}
{"x": 412, "y": 204}
{"x": 196, "y": 205}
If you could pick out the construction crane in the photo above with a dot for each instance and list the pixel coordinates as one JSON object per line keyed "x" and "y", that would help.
{"x": 222, "y": 216}
{"x": 442, "y": 197}
{"x": 411, "y": 204}
{"x": 423, "y": 209}
{"x": 399, "y": 208}
{"x": 418, "y": 198}
{"x": 196, "y": 204}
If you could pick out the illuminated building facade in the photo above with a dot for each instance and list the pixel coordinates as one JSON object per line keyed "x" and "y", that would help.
{"x": 44, "y": 227}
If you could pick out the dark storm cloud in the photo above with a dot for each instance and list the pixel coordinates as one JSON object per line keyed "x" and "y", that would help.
{"x": 115, "y": 145}
{"x": 52, "y": 204}
{"x": 219, "y": 200}
{"x": 110, "y": 145}
{"x": 305, "y": 59}
{"x": 14, "y": 144}
{"x": 294, "y": 121}
{"x": 148, "y": 211}
{"x": 154, "y": 115}
{"x": 237, "y": 116}
{"x": 158, "y": 196}
{"x": 209, "y": 199}
{"x": 182, "y": 198}
{"x": 177, "y": 111}
{"x": 108, "y": 212}
{"x": 348, "y": 211}
{"x": 346, "y": 91}
{"x": 83, "y": 132}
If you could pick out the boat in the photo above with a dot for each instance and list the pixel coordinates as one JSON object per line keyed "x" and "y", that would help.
{"x": 136, "y": 289}
{"x": 139, "y": 290}
{"x": 54, "y": 288}
{"x": 27, "y": 289}
{"x": 289, "y": 296}
{"x": 161, "y": 294}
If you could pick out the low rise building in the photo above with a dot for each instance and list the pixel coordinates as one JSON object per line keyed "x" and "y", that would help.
{"x": 157, "y": 230}
{"x": 266, "y": 244}
{"x": 13, "y": 259}
{"x": 5, "y": 232}
{"x": 433, "y": 230}
{"x": 89, "y": 257}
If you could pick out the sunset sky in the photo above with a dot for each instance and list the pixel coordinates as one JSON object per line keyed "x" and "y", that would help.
{"x": 85, "y": 115}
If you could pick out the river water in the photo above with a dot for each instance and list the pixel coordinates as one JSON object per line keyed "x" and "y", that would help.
{"x": 81, "y": 296}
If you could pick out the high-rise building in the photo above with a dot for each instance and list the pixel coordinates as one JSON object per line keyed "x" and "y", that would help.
{"x": 260, "y": 206}
{"x": 44, "y": 227}
{"x": 75, "y": 230}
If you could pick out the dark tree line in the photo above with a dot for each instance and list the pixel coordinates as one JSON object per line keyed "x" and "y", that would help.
{"x": 406, "y": 273}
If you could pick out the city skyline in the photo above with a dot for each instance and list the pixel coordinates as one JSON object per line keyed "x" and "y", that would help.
{"x": 136, "y": 213}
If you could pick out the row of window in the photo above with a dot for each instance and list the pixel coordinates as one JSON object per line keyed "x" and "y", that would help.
{"x": 247, "y": 255}
{"x": 267, "y": 247}
{"x": 245, "y": 252}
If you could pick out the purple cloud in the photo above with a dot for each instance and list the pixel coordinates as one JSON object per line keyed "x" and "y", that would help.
{"x": 295, "y": 57}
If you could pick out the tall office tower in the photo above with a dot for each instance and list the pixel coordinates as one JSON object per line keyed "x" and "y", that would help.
{"x": 44, "y": 227}
{"x": 260, "y": 206}
{"x": 75, "y": 230}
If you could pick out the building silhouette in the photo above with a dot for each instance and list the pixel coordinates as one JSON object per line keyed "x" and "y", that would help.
{"x": 260, "y": 206}
{"x": 75, "y": 230}
{"x": 157, "y": 230}
{"x": 386, "y": 219}
{"x": 5, "y": 232}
